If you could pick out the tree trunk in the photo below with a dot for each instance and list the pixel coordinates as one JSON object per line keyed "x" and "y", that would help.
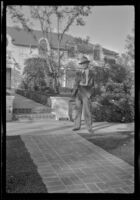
{"x": 56, "y": 78}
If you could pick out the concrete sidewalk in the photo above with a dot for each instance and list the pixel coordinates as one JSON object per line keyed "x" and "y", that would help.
{"x": 68, "y": 163}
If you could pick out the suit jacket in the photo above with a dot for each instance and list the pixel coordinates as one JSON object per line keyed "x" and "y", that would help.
{"x": 87, "y": 90}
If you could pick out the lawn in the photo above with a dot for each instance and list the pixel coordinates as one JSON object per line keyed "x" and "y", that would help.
{"x": 21, "y": 173}
{"x": 120, "y": 144}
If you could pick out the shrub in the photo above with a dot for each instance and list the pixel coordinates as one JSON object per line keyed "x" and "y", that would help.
{"x": 65, "y": 91}
{"x": 37, "y": 75}
{"x": 118, "y": 73}
{"x": 126, "y": 107}
{"x": 98, "y": 112}
{"x": 35, "y": 96}
{"x": 115, "y": 102}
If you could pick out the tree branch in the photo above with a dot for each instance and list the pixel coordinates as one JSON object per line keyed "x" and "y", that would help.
{"x": 62, "y": 54}
{"x": 71, "y": 20}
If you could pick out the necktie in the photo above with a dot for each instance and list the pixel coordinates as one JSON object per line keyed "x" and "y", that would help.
{"x": 83, "y": 77}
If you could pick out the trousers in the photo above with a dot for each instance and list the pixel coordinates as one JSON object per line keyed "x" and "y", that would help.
{"x": 83, "y": 103}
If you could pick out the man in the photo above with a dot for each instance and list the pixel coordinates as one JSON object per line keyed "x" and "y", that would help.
{"x": 83, "y": 90}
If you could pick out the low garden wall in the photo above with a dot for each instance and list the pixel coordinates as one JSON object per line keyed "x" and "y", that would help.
{"x": 103, "y": 108}
{"x": 35, "y": 96}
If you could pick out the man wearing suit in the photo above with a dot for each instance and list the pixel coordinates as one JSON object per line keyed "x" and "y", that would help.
{"x": 83, "y": 90}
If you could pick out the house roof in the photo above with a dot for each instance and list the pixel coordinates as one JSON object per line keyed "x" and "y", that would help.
{"x": 23, "y": 38}
{"x": 108, "y": 52}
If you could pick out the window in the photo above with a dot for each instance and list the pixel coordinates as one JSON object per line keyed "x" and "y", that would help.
{"x": 71, "y": 52}
{"x": 96, "y": 54}
{"x": 43, "y": 47}
{"x": 109, "y": 60}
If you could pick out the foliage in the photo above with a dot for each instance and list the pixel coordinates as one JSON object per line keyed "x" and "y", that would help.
{"x": 115, "y": 102}
{"x": 37, "y": 76}
{"x": 101, "y": 75}
{"x": 125, "y": 100}
{"x": 42, "y": 98}
{"x": 38, "y": 79}
{"x": 83, "y": 45}
{"x": 127, "y": 58}
{"x": 97, "y": 111}
{"x": 71, "y": 68}
{"x": 65, "y": 16}
{"x": 85, "y": 49}
{"x": 118, "y": 73}
{"x": 66, "y": 91}
{"x": 130, "y": 45}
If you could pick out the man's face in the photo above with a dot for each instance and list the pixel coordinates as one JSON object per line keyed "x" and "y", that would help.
{"x": 85, "y": 65}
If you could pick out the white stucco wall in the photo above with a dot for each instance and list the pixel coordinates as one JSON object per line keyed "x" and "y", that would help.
{"x": 17, "y": 54}
{"x": 20, "y": 53}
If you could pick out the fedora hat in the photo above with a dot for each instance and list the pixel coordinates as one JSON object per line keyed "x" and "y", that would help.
{"x": 84, "y": 60}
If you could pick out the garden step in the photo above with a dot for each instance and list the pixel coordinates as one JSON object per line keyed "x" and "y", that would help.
{"x": 41, "y": 109}
{"x": 37, "y": 110}
{"x": 34, "y": 116}
{"x": 23, "y": 105}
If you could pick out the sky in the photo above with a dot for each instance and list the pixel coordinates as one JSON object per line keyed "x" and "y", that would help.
{"x": 106, "y": 25}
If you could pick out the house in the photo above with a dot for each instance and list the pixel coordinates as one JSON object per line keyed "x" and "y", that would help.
{"x": 22, "y": 44}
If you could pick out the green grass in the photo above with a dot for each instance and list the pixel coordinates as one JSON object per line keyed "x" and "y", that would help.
{"x": 21, "y": 173}
{"x": 120, "y": 144}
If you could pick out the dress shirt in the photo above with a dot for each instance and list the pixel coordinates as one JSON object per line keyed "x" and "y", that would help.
{"x": 84, "y": 81}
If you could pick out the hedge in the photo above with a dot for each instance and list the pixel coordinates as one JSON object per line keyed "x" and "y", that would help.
{"x": 35, "y": 96}
{"x": 43, "y": 98}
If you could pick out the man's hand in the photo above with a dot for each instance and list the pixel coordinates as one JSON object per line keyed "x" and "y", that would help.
{"x": 74, "y": 92}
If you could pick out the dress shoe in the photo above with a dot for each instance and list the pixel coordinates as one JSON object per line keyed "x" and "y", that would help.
{"x": 76, "y": 129}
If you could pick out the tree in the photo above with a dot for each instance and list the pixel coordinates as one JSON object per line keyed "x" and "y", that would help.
{"x": 83, "y": 45}
{"x": 130, "y": 46}
{"x": 37, "y": 76}
{"x": 65, "y": 16}
{"x": 71, "y": 68}
{"x": 127, "y": 58}
{"x": 113, "y": 96}
{"x": 87, "y": 39}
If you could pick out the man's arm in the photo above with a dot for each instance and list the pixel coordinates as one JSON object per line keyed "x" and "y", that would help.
{"x": 91, "y": 79}
{"x": 76, "y": 84}
{"x": 92, "y": 83}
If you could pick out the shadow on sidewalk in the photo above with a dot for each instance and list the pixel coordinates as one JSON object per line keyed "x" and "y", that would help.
{"x": 69, "y": 127}
{"x": 115, "y": 134}
{"x": 120, "y": 144}
{"x": 103, "y": 126}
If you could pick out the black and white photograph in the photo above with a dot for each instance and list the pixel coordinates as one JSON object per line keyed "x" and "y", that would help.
{"x": 70, "y": 92}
